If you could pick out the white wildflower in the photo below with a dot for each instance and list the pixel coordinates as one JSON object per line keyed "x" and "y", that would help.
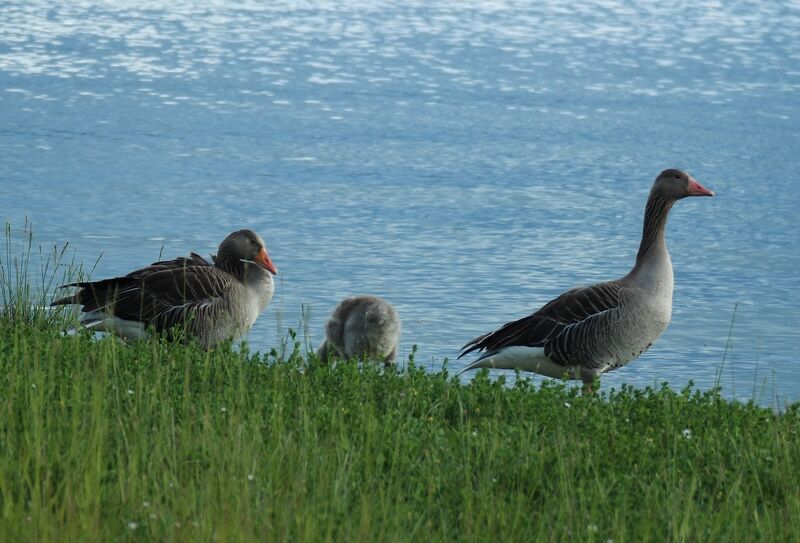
{"x": 133, "y": 525}
{"x": 687, "y": 433}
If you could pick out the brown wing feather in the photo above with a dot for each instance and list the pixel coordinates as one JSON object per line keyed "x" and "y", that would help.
{"x": 166, "y": 298}
{"x": 161, "y": 295}
{"x": 193, "y": 259}
{"x": 537, "y": 329}
{"x": 94, "y": 295}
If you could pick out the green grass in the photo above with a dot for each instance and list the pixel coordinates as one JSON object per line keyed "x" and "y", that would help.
{"x": 103, "y": 441}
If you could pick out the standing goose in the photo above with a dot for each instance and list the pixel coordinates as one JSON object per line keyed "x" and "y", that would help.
{"x": 215, "y": 302}
{"x": 588, "y": 331}
{"x": 363, "y": 327}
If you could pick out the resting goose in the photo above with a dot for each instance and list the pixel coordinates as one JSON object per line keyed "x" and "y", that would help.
{"x": 362, "y": 327}
{"x": 588, "y": 331}
{"x": 215, "y": 302}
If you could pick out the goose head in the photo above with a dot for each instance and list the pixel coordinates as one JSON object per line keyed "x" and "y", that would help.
{"x": 246, "y": 246}
{"x": 674, "y": 184}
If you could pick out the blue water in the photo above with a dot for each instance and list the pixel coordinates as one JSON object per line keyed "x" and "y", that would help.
{"x": 467, "y": 163}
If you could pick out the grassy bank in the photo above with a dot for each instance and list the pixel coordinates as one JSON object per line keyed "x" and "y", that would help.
{"x": 103, "y": 441}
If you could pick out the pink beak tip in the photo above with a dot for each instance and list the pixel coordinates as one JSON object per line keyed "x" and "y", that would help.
{"x": 266, "y": 262}
{"x": 696, "y": 189}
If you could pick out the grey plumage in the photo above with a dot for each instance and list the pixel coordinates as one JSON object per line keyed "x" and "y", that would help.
{"x": 362, "y": 327}
{"x": 209, "y": 301}
{"x": 590, "y": 330}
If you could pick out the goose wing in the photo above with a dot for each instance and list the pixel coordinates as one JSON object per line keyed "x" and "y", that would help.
{"x": 572, "y": 308}
{"x": 170, "y": 297}
{"x": 162, "y": 295}
{"x": 192, "y": 260}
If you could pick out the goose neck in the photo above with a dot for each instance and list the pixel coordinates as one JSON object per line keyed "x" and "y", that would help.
{"x": 229, "y": 263}
{"x": 655, "y": 222}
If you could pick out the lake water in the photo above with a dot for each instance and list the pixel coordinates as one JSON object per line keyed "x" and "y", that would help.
{"x": 467, "y": 163}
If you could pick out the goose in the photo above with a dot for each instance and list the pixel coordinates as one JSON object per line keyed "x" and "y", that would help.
{"x": 588, "y": 331}
{"x": 362, "y": 327}
{"x": 214, "y": 301}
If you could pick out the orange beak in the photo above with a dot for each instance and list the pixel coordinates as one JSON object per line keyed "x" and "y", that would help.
{"x": 262, "y": 259}
{"x": 696, "y": 189}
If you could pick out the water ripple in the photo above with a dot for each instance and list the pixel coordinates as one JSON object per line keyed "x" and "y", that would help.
{"x": 468, "y": 163}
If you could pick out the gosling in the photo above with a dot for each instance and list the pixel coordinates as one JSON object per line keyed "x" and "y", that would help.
{"x": 362, "y": 328}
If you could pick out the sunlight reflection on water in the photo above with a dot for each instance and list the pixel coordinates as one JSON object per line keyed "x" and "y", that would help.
{"x": 467, "y": 163}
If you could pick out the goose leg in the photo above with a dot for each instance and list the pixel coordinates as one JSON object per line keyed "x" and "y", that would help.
{"x": 322, "y": 353}
{"x": 589, "y": 377}
{"x": 389, "y": 360}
